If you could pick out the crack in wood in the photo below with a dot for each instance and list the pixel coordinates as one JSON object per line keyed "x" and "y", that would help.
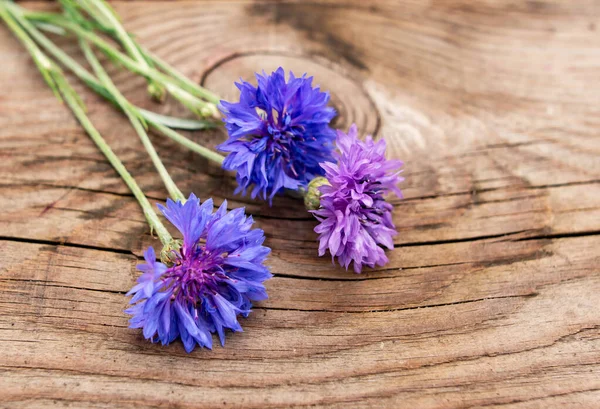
{"x": 532, "y": 294}
{"x": 68, "y": 244}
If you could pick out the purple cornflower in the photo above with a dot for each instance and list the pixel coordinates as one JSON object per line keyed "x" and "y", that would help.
{"x": 215, "y": 275}
{"x": 355, "y": 220}
{"x": 278, "y": 133}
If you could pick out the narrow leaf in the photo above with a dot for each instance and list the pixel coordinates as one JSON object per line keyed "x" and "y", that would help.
{"x": 177, "y": 123}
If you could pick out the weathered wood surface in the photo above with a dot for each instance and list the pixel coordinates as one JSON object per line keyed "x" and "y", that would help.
{"x": 492, "y": 292}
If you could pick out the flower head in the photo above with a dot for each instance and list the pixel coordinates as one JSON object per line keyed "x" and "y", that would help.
{"x": 355, "y": 220}
{"x": 215, "y": 275}
{"x": 278, "y": 133}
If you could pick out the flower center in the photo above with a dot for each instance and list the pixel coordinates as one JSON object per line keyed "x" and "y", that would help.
{"x": 193, "y": 276}
{"x": 282, "y": 141}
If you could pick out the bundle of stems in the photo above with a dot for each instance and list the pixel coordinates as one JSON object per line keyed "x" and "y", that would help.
{"x": 90, "y": 21}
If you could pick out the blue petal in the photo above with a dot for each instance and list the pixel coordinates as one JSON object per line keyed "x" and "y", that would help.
{"x": 227, "y": 311}
{"x": 189, "y": 218}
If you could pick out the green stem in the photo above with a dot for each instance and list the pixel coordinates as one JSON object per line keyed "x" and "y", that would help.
{"x": 60, "y": 84}
{"x": 109, "y": 17}
{"x": 98, "y": 87}
{"x": 109, "y": 23}
{"x": 43, "y": 63}
{"x": 193, "y": 146}
{"x": 174, "y": 86}
{"x": 184, "y": 81}
{"x": 134, "y": 118}
{"x": 105, "y": 16}
{"x": 59, "y": 54}
{"x": 151, "y": 216}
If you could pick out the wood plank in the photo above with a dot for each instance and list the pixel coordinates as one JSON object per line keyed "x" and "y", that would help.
{"x": 74, "y": 314}
{"x": 490, "y": 297}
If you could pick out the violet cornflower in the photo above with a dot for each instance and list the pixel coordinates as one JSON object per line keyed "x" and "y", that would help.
{"x": 215, "y": 275}
{"x": 278, "y": 134}
{"x": 355, "y": 219}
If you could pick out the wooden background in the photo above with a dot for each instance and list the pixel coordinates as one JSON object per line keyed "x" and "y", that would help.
{"x": 492, "y": 294}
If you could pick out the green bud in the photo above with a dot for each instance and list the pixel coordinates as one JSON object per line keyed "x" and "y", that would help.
{"x": 157, "y": 92}
{"x": 312, "y": 198}
{"x": 168, "y": 255}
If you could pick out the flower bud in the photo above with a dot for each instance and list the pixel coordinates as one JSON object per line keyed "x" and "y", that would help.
{"x": 312, "y": 199}
{"x": 168, "y": 255}
{"x": 157, "y": 92}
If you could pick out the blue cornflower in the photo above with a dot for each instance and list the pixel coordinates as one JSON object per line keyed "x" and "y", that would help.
{"x": 278, "y": 133}
{"x": 214, "y": 276}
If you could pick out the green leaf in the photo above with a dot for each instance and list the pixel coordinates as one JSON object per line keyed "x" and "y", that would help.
{"x": 51, "y": 28}
{"x": 177, "y": 123}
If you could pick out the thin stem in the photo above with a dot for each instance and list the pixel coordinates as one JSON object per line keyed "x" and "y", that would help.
{"x": 105, "y": 16}
{"x": 173, "y": 85}
{"x": 199, "y": 149}
{"x": 39, "y": 58}
{"x": 52, "y": 71}
{"x": 98, "y": 87}
{"x": 151, "y": 216}
{"x": 109, "y": 23}
{"x": 184, "y": 81}
{"x": 59, "y": 54}
{"x": 134, "y": 118}
{"x": 109, "y": 17}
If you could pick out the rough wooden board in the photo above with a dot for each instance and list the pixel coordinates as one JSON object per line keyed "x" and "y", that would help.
{"x": 490, "y": 297}
{"x": 70, "y": 325}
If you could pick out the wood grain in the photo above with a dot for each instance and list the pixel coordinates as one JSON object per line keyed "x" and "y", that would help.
{"x": 491, "y": 295}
